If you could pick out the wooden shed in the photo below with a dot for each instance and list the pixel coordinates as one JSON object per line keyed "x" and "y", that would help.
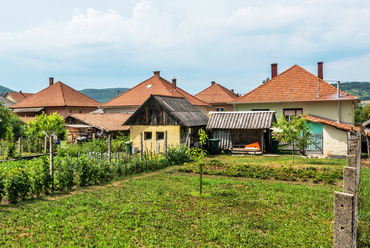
{"x": 237, "y": 130}
{"x": 161, "y": 115}
{"x": 95, "y": 125}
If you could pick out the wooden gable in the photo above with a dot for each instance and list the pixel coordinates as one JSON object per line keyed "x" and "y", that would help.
{"x": 152, "y": 113}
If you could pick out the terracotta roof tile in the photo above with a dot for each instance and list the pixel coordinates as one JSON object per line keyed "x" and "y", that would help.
{"x": 294, "y": 85}
{"x": 107, "y": 122}
{"x": 18, "y": 96}
{"x": 216, "y": 93}
{"x": 155, "y": 85}
{"x": 57, "y": 95}
{"x": 342, "y": 126}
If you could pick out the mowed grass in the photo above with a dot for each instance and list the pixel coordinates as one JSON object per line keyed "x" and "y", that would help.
{"x": 165, "y": 210}
{"x": 300, "y": 162}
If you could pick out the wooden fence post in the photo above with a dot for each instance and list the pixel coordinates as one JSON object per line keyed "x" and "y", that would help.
{"x": 165, "y": 144}
{"x": 109, "y": 147}
{"x": 51, "y": 162}
{"x": 141, "y": 147}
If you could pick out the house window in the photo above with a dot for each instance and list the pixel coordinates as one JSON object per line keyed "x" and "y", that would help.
{"x": 147, "y": 135}
{"x": 70, "y": 111}
{"x": 289, "y": 113}
{"x": 160, "y": 135}
{"x": 220, "y": 109}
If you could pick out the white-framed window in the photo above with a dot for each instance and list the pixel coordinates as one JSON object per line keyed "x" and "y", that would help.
{"x": 289, "y": 113}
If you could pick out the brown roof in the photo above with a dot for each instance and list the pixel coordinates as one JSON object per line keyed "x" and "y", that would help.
{"x": 27, "y": 119}
{"x": 294, "y": 85}
{"x": 106, "y": 122}
{"x": 341, "y": 126}
{"x": 57, "y": 95}
{"x": 155, "y": 85}
{"x": 19, "y": 96}
{"x": 216, "y": 93}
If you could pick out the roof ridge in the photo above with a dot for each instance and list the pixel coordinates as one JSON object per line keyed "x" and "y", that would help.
{"x": 61, "y": 90}
{"x": 127, "y": 91}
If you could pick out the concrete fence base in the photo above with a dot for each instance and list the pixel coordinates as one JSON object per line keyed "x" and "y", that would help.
{"x": 345, "y": 203}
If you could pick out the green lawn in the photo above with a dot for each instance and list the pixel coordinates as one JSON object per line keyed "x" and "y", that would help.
{"x": 165, "y": 210}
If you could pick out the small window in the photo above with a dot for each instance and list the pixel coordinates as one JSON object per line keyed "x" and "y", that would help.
{"x": 289, "y": 113}
{"x": 80, "y": 111}
{"x": 70, "y": 111}
{"x": 160, "y": 135}
{"x": 147, "y": 135}
{"x": 149, "y": 86}
{"x": 219, "y": 109}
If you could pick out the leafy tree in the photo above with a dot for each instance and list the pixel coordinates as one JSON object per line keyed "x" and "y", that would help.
{"x": 198, "y": 154}
{"x": 5, "y": 120}
{"x": 362, "y": 113}
{"x": 44, "y": 126}
{"x": 296, "y": 131}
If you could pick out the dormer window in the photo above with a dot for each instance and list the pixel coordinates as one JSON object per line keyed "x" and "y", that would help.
{"x": 149, "y": 86}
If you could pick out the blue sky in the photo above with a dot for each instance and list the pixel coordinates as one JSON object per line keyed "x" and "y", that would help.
{"x": 111, "y": 43}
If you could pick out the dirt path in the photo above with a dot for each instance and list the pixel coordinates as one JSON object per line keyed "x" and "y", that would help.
{"x": 60, "y": 195}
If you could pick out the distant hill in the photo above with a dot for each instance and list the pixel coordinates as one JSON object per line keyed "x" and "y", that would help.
{"x": 103, "y": 95}
{"x": 359, "y": 89}
{"x": 4, "y": 90}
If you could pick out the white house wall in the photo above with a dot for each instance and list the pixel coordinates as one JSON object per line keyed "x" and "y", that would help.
{"x": 335, "y": 141}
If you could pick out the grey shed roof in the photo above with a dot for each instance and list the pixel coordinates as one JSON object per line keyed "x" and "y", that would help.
{"x": 366, "y": 123}
{"x": 6, "y": 102}
{"x": 180, "y": 108}
{"x": 241, "y": 120}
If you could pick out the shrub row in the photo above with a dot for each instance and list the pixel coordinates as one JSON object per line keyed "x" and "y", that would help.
{"x": 20, "y": 180}
{"x": 262, "y": 172}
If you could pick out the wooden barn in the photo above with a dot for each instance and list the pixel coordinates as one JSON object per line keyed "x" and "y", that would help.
{"x": 165, "y": 118}
{"x": 240, "y": 131}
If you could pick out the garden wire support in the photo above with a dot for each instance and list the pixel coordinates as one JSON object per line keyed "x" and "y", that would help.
{"x": 345, "y": 203}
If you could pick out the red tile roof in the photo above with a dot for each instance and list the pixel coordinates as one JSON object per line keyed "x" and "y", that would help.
{"x": 155, "y": 85}
{"x": 18, "y": 96}
{"x": 57, "y": 95}
{"x": 216, "y": 93}
{"x": 341, "y": 126}
{"x": 294, "y": 85}
{"x": 107, "y": 122}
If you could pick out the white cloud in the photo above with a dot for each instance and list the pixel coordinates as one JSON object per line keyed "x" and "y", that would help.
{"x": 199, "y": 35}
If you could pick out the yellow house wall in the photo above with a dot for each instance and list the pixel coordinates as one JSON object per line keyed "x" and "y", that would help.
{"x": 173, "y": 136}
{"x": 335, "y": 141}
{"x": 202, "y": 109}
{"x": 326, "y": 109}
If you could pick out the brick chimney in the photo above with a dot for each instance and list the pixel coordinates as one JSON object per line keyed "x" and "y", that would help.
{"x": 51, "y": 81}
{"x": 157, "y": 73}
{"x": 20, "y": 92}
{"x": 213, "y": 82}
{"x": 232, "y": 90}
{"x": 174, "y": 83}
{"x": 320, "y": 73}
{"x": 273, "y": 70}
